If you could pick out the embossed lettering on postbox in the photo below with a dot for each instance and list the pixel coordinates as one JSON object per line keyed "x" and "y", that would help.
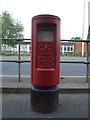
{"x": 46, "y": 57}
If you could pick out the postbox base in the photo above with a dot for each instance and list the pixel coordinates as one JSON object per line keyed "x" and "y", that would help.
{"x": 44, "y": 100}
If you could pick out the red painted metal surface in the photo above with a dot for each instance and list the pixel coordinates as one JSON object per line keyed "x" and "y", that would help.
{"x": 45, "y": 55}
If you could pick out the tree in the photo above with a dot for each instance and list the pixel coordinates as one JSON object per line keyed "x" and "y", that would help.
{"x": 76, "y": 38}
{"x": 10, "y": 29}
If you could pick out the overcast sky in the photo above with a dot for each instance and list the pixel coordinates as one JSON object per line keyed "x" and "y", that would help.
{"x": 70, "y": 12}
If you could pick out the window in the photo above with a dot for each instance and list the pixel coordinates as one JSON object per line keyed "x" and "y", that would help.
{"x": 24, "y": 47}
{"x": 65, "y": 48}
{"x": 68, "y": 49}
{"x": 61, "y": 48}
{"x": 72, "y": 48}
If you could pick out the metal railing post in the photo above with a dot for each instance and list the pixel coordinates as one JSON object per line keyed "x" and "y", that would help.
{"x": 19, "y": 74}
{"x": 87, "y": 59}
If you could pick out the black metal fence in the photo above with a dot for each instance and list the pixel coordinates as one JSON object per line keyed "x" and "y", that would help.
{"x": 19, "y": 61}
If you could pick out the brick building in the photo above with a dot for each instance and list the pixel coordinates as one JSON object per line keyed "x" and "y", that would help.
{"x": 72, "y": 47}
{"x": 78, "y": 47}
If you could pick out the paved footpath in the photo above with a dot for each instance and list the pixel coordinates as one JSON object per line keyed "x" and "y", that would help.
{"x": 18, "y": 105}
{"x": 71, "y": 106}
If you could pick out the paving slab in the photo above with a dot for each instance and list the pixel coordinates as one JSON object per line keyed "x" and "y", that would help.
{"x": 70, "y": 84}
{"x": 70, "y": 106}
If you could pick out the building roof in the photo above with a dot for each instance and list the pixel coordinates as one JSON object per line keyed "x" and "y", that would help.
{"x": 67, "y": 43}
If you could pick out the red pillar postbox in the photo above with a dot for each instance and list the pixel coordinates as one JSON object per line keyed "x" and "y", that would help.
{"x": 45, "y": 50}
{"x": 45, "y": 54}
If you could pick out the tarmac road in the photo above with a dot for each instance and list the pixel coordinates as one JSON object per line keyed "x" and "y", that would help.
{"x": 65, "y": 69}
{"x": 71, "y": 106}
